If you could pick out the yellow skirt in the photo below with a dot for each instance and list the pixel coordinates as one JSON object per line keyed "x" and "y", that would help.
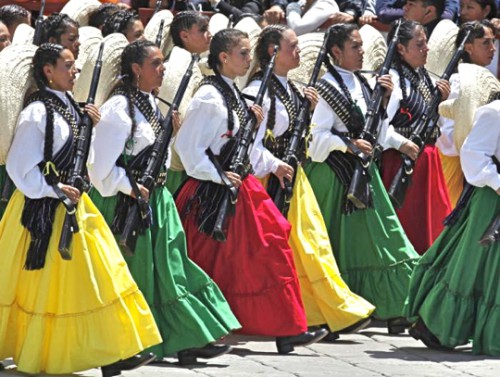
{"x": 70, "y": 315}
{"x": 327, "y": 298}
{"x": 453, "y": 176}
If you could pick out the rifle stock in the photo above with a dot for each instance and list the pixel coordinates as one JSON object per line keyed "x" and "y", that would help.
{"x": 492, "y": 234}
{"x": 37, "y": 38}
{"x": 421, "y": 134}
{"x": 76, "y": 180}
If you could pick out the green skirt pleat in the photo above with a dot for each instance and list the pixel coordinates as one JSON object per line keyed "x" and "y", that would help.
{"x": 455, "y": 288}
{"x": 374, "y": 255}
{"x": 188, "y": 306}
{"x": 175, "y": 179}
{"x": 3, "y": 202}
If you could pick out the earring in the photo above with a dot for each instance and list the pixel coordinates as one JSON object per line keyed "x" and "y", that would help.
{"x": 225, "y": 61}
{"x": 138, "y": 80}
{"x": 51, "y": 82}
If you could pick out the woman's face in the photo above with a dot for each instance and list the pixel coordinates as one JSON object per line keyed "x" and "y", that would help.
{"x": 288, "y": 56}
{"x": 62, "y": 75}
{"x": 4, "y": 36}
{"x": 69, "y": 39}
{"x": 482, "y": 50}
{"x": 135, "y": 31}
{"x": 197, "y": 39}
{"x": 470, "y": 10}
{"x": 415, "y": 53}
{"x": 237, "y": 61}
{"x": 350, "y": 57}
{"x": 151, "y": 71}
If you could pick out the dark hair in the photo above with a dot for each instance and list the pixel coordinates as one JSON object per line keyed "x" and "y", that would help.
{"x": 223, "y": 41}
{"x": 47, "y": 53}
{"x": 406, "y": 31}
{"x": 56, "y": 25}
{"x": 339, "y": 34}
{"x": 98, "y": 17}
{"x": 10, "y": 14}
{"x": 184, "y": 21}
{"x": 270, "y": 35}
{"x": 493, "y": 7}
{"x": 119, "y": 22}
{"x": 477, "y": 31}
{"x": 438, "y": 4}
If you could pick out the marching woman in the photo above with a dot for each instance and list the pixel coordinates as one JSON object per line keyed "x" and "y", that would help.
{"x": 126, "y": 22}
{"x": 327, "y": 299}
{"x": 254, "y": 266}
{"x": 454, "y": 290}
{"x": 189, "y": 308}
{"x": 61, "y": 29}
{"x": 374, "y": 255}
{"x": 427, "y": 201}
{"x": 61, "y": 316}
{"x": 478, "y": 49}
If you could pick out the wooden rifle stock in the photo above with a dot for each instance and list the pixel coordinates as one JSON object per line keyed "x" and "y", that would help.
{"x": 359, "y": 189}
{"x": 136, "y": 217}
{"x": 492, "y": 234}
{"x": 239, "y": 161}
{"x": 37, "y": 38}
{"x": 283, "y": 196}
{"x": 421, "y": 134}
{"x": 77, "y": 180}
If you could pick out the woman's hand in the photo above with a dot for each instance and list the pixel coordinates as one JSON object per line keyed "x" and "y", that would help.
{"x": 367, "y": 18}
{"x": 444, "y": 88}
{"x": 284, "y": 171}
{"x": 176, "y": 121}
{"x": 71, "y": 192}
{"x": 93, "y": 113}
{"x": 386, "y": 82}
{"x": 410, "y": 149}
{"x": 259, "y": 114}
{"x": 143, "y": 190}
{"x": 362, "y": 145}
{"x": 234, "y": 178}
{"x": 312, "y": 95}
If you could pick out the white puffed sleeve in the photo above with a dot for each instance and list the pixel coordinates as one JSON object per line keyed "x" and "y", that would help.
{"x": 445, "y": 141}
{"x": 482, "y": 143}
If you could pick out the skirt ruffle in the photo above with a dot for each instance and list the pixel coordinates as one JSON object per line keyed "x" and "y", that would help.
{"x": 427, "y": 201}
{"x": 374, "y": 255}
{"x": 188, "y": 307}
{"x": 455, "y": 287}
{"x": 453, "y": 176}
{"x": 70, "y": 315}
{"x": 254, "y": 267}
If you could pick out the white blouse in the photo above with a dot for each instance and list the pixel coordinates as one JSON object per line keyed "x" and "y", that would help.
{"x": 26, "y": 151}
{"x": 112, "y": 134}
{"x": 323, "y": 141}
{"x": 204, "y": 126}
{"x": 482, "y": 143}
{"x": 445, "y": 142}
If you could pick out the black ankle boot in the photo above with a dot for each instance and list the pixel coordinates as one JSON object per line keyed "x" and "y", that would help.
{"x": 419, "y": 331}
{"x": 397, "y": 325}
{"x": 210, "y": 351}
{"x": 286, "y": 344}
{"x": 133, "y": 362}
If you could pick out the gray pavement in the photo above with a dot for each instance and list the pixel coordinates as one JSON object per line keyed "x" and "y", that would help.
{"x": 370, "y": 353}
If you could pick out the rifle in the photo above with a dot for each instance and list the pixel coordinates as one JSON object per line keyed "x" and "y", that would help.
{"x": 157, "y": 6}
{"x": 76, "y": 179}
{"x": 159, "y": 36}
{"x": 283, "y": 196}
{"x": 239, "y": 160}
{"x": 421, "y": 134}
{"x": 492, "y": 234}
{"x": 137, "y": 216}
{"x": 37, "y": 38}
{"x": 359, "y": 189}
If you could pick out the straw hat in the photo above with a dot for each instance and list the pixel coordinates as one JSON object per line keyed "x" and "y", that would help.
{"x": 217, "y": 22}
{"x": 477, "y": 84}
{"x": 252, "y": 28}
{"x": 16, "y": 79}
{"x": 153, "y": 26}
{"x": 23, "y": 35}
{"x": 80, "y": 10}
{"x": 89, "y": 37}
{"x": 374, "y": 46}
{"x": 441, "y": 47}
{"x": 309, "y": 44}
{"x": 111, "y": 60}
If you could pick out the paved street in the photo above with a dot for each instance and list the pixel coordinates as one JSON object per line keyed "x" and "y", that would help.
{"x": 370, "y": 353}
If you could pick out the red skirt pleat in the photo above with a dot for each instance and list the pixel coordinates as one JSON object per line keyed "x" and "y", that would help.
{"x": 254, "y": 268}
{"x": 427, "y": 201}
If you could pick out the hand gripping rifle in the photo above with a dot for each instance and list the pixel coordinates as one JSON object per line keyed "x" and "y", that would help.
{"x": 492, "y": 234}
{"x": 421, "y": 134}
{"x": 359, "y": 189}
{"x": 283, "y": 196}
{"x": 76, "y": 179}
{"x": 239, "y": 161}
{"x": 137, "y": 215}
{"x": 38, "y": 25}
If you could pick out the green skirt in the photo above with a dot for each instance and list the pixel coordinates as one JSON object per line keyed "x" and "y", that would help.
{"x": 4, "y": 201}
{"x": 455, "y": 288}
{"x": 188, "y": 306}
{"x": 374, "y": 255}
{"x": 175, "y": 179}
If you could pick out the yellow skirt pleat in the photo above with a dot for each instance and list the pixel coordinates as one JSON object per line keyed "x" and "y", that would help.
{"x": 453, "y": 176}
{"x": 70, "y": 315}
{"x": 327, "y": 298}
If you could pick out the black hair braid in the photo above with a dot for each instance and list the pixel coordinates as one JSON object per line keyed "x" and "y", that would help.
{"x": 402, "y": 80}
{"x": 118, "y": 22}
{"x": 56, "y": 25}
{"x": 98, "y": 17}
{"x": 131, "y": 114}
{"x": 271, "y": 115}
{"x": 10, "y": 14}
{"x": 270, "y": 35}
{"x": 47, "y": 53}
{"x": 49, "y": 135}
{"x": 331, "y": 69}
{"x": 184, "y": 21}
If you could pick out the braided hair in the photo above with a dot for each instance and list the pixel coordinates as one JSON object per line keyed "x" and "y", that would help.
{"x": 184, "y": 21}
{"x": 223, "y": 41}
{"x": 98, "y": 17}
{"x": 56, "y": 25}
{"x": 119, "y": 22}
{"x": 477, "y": 29}
{"x": 12, "y": 14}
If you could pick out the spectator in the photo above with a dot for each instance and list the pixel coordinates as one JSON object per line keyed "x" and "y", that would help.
{"x": 390, "y": 10}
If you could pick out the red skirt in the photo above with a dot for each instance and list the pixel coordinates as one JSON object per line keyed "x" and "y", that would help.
{"x": 427, "y": 201}
{"x": 254, "y": 267}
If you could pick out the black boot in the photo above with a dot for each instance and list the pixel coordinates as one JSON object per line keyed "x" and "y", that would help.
{"x": 419, "y": 331}
{"x": 210, "y": 351}
{"x": 133, "y": 362}
{"x": 286, "y": 344}
{"x": 358, "y": 326}
{"x": 397, "y": 325}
